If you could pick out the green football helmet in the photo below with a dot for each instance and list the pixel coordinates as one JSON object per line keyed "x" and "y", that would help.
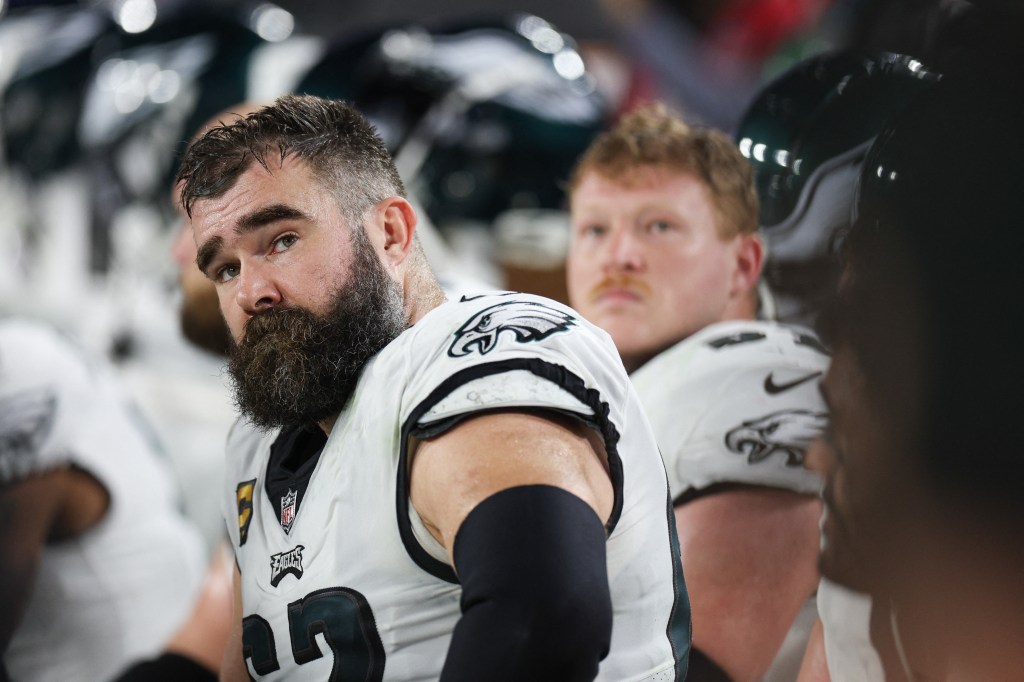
{"x": 482, "y": 116}
{"x": 806, "y": 135}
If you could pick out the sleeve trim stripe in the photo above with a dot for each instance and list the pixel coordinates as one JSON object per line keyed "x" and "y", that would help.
{"x": 557, "y": 374}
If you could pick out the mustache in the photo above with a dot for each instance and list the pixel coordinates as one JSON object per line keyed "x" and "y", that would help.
{"x": 264, "y": 332}
{"x": 628, "y": 282}
{"x": 284, "y": 321}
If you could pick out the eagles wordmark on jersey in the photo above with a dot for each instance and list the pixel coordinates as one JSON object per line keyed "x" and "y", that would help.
{"x": 349, "y": 585}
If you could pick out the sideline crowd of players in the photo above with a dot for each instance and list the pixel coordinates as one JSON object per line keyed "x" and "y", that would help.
{"x": 498, "y": 413}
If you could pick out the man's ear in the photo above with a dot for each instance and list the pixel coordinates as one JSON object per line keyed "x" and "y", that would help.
{"x": 749, "y": 262}
{"x": 398, "y": 220}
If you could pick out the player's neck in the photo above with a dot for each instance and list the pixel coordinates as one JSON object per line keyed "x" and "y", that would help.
{"x": 423, "y": 293}
{"x": 328, "y": 424}
{"x": 742, "y": 307}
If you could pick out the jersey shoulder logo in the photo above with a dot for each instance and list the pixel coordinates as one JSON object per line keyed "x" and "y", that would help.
{"x": 243, "y": 502}
{"x": 786, "y": 431}
{"x": 773, "y": 388}
{"x": 492, "y": 294}
{"x": 525, "y": 321}
{"x": 810, "y": 341}
{"x": 26, "y": 421}
{"x": 286, "y": 563}
{"x": 735, "y": 339}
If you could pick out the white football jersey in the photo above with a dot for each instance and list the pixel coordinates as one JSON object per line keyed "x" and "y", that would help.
{"x": 846, "y": 622}
{"x": 341, "y": 581}
{"x": 738, "y": 402}
{"x": 119, "y": 591}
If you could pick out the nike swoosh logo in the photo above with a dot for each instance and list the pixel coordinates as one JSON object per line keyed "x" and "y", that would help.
{"x": 771, "y": 388}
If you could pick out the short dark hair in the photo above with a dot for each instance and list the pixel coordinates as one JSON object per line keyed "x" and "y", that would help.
{"x": 337, "y": 142}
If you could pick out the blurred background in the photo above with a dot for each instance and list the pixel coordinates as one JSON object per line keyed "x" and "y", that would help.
{"x": 485, "y": 105}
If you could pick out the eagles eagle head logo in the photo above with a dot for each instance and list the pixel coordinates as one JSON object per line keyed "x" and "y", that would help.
{"x": 786, "y": 431}
{"x": 27, "y": 419}
{"x": 524, "y": 320}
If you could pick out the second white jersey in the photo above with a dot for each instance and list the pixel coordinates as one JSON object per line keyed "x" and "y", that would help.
{"x": 117, "y": 592}
{"x": 846, "y": 620}
{"x": 737, "y": 402}
{"x": 343, "y": 582}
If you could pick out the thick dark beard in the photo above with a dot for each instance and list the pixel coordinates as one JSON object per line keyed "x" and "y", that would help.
{"x": 295, "y": 368}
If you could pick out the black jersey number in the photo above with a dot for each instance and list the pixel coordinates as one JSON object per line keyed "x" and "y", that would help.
{"x": 345, "y": 619}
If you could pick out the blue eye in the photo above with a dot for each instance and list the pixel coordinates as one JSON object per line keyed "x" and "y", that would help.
{"x": 284, "y": 242}
{"x": 226, "y": 273}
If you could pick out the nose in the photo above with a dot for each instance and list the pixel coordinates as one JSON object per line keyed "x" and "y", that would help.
{"x": 256, "y": 290}
{"x": 623, "y": 252}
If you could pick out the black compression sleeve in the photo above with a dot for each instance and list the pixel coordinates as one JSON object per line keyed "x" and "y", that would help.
{"x": 535, "y": 598}
{"x": 703, "y": 669}
{"x": 167, "y": 668}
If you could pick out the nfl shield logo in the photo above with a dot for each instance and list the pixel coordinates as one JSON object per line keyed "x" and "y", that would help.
{"x": 288, "y": 509}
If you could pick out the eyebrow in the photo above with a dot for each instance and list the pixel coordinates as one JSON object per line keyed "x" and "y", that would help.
{"x": 207, "y": 252}
{"x": 247, "y": 223}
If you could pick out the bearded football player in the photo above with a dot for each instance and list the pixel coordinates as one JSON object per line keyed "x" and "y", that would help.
{"x": 418, "y": 488}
